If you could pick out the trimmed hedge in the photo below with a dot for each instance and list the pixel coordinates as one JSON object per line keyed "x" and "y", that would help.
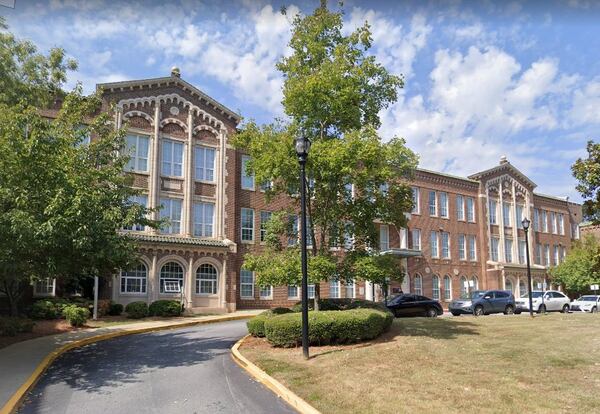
{"x": 12, "y": 326}
{"x": 256, "y": 325}
{"x": 165, "y": 308}
{"x": 328, "y": 327}
{"x": 52, "y": 308}
{"x": 115, "y": 309}
{"x": 76, "y": 315}
{"x": 44, "y": 309}
{"x": 341, "y": 304}
{"x": 136, "y": 310}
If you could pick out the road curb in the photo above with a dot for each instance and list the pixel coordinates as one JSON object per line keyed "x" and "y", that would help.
{"x": 271, "y": 383}
{"x": 15, "y": 401}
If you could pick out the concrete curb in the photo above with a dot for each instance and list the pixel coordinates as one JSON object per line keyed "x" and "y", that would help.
{"x": 271, "y": 383}
{"x": 15, "y": 401}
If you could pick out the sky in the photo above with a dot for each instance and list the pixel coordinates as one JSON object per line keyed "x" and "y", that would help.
{"x": 482, "y": 78}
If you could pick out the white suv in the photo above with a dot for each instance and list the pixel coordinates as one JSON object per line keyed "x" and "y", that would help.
{"x": 551, "y": 300}
{"x": 586, "y": 303}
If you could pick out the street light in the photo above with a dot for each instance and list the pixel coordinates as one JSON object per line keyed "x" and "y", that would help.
{"x": 525, "y": 224}
{"x": 302, "y": 148}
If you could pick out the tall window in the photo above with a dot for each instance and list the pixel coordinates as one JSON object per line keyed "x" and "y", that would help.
{"x": 556, "y": 255}
{"x": 349, "y": 289}
{"x": 432, "y": 204}
{"x": 416, "y": 239}
{"x": 265, "y": 216}
{"x": 416, "y": 201}
{"x": 143, "y": 201}
{"x": 247, "y": 224}
{"x": 536, "y": 219}
{"x": 171, "y": 275}
{"x": 522, "y": 251}
{"x": 433, "y": 243}
{"x": 462, "y": 255}
{"x": 203, "y": 219}
{"x": 475, "y": 283}
{"x": 563, "y": 253}
{"x": 547, "y": 255}
{"x": 435, "y": 290}
{"x": 293, "y": 227}
{"x": 311, "y": 291}
{"x": 519, "y": 216}
{"x": 508, "y": 245}
{"x": 293, "y": 292}
{"x": 464, "y": 285}
{"x": 172, "y": 158}
{"x": 470, "y": 210}
{"x": 538, "y": 254}
{"x": 472, "y": 248}
{"x": 418, "y": 282}
{"x": 171, "y": 210}
{"x": 266, "y": 292}
{"x": 561, "y": 224}
{"x": 447, "y": 288}
{"x": 522, "y": 288}
{"x": 45, "y": 287}
{"x": 247, "y": 178}
{"x": 246, "y": 284}
{"x": 553, "y": 222}
{"x": 575, "y": 231}
{"x": 493, "y": 207}
{"x": 494, "y": 242}
{"x": 460, "y": 207}
{"x": 137, "y": 148}
{"x": 445, "y": 244}
{"x": 206, "y": 280}
{"x": 507, "y": 209}
{"x": 384, "y": 237}
{"x": 544, "y": 221}
{"x": 133, "y": 281}
{"x": 204, "y": 163}
{"x": 334, "y": 289}
{"x": 444, "y": 205}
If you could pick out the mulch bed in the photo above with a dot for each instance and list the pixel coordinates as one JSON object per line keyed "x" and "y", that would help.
{"x": 41, "y": 328}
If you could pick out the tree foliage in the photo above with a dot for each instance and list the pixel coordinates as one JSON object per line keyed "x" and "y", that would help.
{"x": 587, "y": 172}
{"x": 581, "y": 267}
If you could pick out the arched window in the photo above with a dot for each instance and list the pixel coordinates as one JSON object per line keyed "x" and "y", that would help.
{"x": 522, "y": 288}
{"x": 418, "y": 285}
{"x": 464, "y": 286}
{"x": 171, "y": 276}
{"x": 475, "y": 283}
{"x": 206, "y": 279}
{"x": 508, "y": 285}
{"x": 133, "y": 281}
{"x": 436, "y": 287}
{"x": 447, "y": 288}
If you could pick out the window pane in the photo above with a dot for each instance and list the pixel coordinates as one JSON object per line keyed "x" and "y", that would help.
{"x": 432, "y": 204}
{"x": 443, "y": 205}
{"x": 247, "y": 224}
{"x": 247, "y": 180}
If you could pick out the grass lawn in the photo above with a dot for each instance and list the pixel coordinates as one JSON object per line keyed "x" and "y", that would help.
{"x": 491, "y": 364}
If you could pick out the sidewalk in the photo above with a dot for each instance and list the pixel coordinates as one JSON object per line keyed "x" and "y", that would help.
{"x": 20, "y": 360}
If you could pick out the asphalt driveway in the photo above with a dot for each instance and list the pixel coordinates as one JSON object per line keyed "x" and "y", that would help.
{"x": 187, "y": 370}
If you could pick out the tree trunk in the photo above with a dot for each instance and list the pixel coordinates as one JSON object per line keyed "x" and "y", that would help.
{"x": 317, "y": 295}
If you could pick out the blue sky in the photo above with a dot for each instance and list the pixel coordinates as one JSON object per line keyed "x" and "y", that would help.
{"x": 483, "y": 79}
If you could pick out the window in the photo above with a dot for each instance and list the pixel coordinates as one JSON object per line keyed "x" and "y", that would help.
{"x": 416, "y": 239}
{"x": 171, "y": 274}
{"x": 522, "y": 252}
{"x": 470, "y": 210}
{"x": 203, "y": 219}
{"x": 538, "y": 254}
{"x": 474, "y": 283}
{"x": 472, "y": 248}
{"x": 137, "y": 148}
{"x": 204, "y": 163}
{"x": 44, "y": 287}
{"x": 247, "y": 180}
{"x": 348, "y": 237}
{"x": 206, "y": 280}
{"x": 563, "y": 254}
{"x": 334, "y": 289}
{"x": 265, "y": 216}
{"x": 247, "y": 224}
{"x": 384, "y": 237}
{"x": 445, "y": 245}
{"x": 418, "y": 282}
{"x": 444, "y": 205}
{"x": 461, "y": 247}
{"x": 556, "y": 256}
{"x": 508, "y": 285}
{"x": 435, "y": 290}
{"x": 506, "y": 209}
{"x": 519, "y": 216}
{"x": 143, "y": 201}
{"x": 172, "y": 158}
{"x": 447, "y": 288}
{"x": 171, "y": 210}
{"x": 547, "y": 255}
{"x": 575, "y": 231}
{"x": 561, "y": 224}
{"x": 536, "y": 219}
{"x": 133, "y": 281}
{"x": 311, "y": 291}
{"x": 350, "y": 289}
{"x": 464, "y": 285}
{"x": 416, "y": 201}
{"x": 266, "y": 292}
{"x": 494, "y": 243}
{"x": 554, "y": 223}
{"x": 432, "y": 204}
{"x": 293, "y": 229}
{"x": 508, "y": 245}
{"x": 493, "y": 207}
{"x": 293, "y": 292}
{"x": 266, "y": 186}
{"x": 246, "y": 284}
{"x": 522, "y": 288}
{"x": 433, "y": 241}
{"x": 460, "y": 207}
{"x": 544, "y": 221}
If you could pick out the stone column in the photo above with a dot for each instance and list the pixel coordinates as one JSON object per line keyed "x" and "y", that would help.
{"x": 501, "y": 252}
{"x": 188, "y": 180}
{"x": 154, "y": 279}
{"x": 514, "y": 224}
{"x": 189, "y": 284}
{"x": 154, "y": 191}
{"x": 220, "y": 190}
{"x": 223, "y": 285}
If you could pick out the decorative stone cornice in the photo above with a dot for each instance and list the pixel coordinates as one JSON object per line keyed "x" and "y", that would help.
{"x": 441, "y": 178}
{"x": 141, "y": 114}
{"x": 174, "y": 121}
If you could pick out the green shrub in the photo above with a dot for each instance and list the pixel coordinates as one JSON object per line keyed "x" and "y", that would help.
{"x": 115, "y": 309}
{"x": 136, "y": 310}
{"x": 328, "y": 327}
{"x": 12, "y": 326}
{"x": 165, "y": 308}
{"x": 256, "y": 325}
{"x": 44, "y": 309}
{"x": 341, "y": 304}
{"x": 76, "y": 315}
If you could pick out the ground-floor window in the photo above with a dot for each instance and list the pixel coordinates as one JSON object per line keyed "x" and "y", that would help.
{"x": 171, "y": 278}
{"x": 311, "y": 291}
{"x": 350, "y": 289}
{"x": 475, "y": 283}
{"x": 293, "y": 292}
{"x": 207, "y": 279}
{"x": 447, "y": 288}
{"x": 44, "y": 287}
{"x": 435, "y": 293}
{"x": 246, "y": 284}
{"x": 134, "y": 280}
{"x": 418, "y": 281}
{"x": 334, "y": 289}
{"x": 266, "y": 292}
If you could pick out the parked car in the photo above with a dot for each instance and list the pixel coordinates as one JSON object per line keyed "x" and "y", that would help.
{"x": 483, "y": 302}
{"x": 586, "y": 303}
{"x": 548, "y": 301}
{"x": 414, "y": 305}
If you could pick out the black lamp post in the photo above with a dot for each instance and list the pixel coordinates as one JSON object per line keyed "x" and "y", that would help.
{"x": 302, "y": 148}
{"x": 525, "y": 224}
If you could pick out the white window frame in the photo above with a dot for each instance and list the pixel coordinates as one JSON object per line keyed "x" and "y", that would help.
{"x": 418, "y": 284}
{"x": 206, "y": 277}
{"x": 416, "y": 197}
{"x": 434, "y": 245}
{"x": 472, "y": 253}
{"x": 294, "y": 288}
{"x": 416, "y": 239}
{"x": 434, "y": 206}
{"x": 493, "y": 211}
{"x": 445, "y": 244}
{"x": 266, "y": 292}
{"x": 43, "y": 288}
{"x": 136, "y": 157}
{"x": 443, "y": 204}
{"x": 335, "y": 285}
{"x": 460, "y": 208}
{"x": 246, "y": 181}
{"x": 141, "y": 199}
{"x": 167, "y": 212}
{"x": 311, "y": 291}
{"x": 435, "y": 287}
{"x": 447, "y": 289}
{"x": 202, "y": 171}
{"x": 245, "y": 273}
{"x": 202, "y": 228}
{"x": 462, "y": 247}
{"x": 136, "y": 276}
{"x": 470, "y": 201}
{"x": 170, "y": 276}
{"x": 249, "y": 235}
{"x": 350, "y": 285}
{"x": 384, "y": 237}
{"x": 168, "y": 167}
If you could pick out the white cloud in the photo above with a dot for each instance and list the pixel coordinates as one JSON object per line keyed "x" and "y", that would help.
{"x": 586, "y": 103}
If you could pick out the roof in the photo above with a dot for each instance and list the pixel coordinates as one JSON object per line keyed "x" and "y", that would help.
{"x": 565, "y": 199}
{"x": 403, "y": 252}
{"x": 194, "y": 241}
{"x": 177, "y": 81}
{"x": 504, "y": 165}
{"x": 456, "y": 177}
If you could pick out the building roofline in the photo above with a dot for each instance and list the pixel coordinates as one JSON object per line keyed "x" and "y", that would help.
{"x": 503, "y": 164}
{"x": 456, "y": 177}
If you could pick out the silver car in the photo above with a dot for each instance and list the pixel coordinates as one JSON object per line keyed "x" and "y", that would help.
{"x": 586, "y": 303}
{"x": 548, "y": 301}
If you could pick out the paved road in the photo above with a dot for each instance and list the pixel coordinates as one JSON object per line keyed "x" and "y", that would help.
{"x": 186, "y": 370}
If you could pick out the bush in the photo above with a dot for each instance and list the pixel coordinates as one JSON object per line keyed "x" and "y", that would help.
{"x": 115, "y": 309}
{"x": 341, "y": 304}
{"x": 13, "y": 326}
{"x": 136, "y": 310}
{"x": 328, "y": 327}
{"x": 45, "y": 309}
{"x": 256, "y": 325}
{"x": 76, "y": 315}
{"x": 103, "y": 307}
{"x": 165, "y": 308}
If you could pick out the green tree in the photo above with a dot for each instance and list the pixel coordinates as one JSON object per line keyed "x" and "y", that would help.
{"x": 581, "y": 267}
{"x": 587, "y": 172}
{"x": 333, "y": 94}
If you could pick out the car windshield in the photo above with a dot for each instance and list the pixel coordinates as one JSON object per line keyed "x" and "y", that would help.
{"x": 533, "y": 295}
{"x": 587, "y": 299}
{"x": 473, "y": 295}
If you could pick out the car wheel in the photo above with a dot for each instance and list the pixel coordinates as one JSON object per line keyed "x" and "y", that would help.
{"x": 431, "y": 313}
{"x": 509, "y": 310}
{"x": 517, "y": 312}
{"x": 594, "y": 310}
{"x": 478, "y": 311}
{"x": 455, "y": 313}
{"x": 542, "y": 309}
{"x": 565, "y": 308}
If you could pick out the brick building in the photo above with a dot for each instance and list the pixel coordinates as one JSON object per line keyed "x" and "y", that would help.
{"x": 462, "y": 228}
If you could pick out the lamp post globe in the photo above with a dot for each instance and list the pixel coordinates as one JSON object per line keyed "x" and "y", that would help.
{"x": 302, "y": 147}
{"x": 526, "y": 224}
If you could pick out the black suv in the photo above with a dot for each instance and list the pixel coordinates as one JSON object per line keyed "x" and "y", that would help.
{"x": 407, "y": 304}
{"x": 484, "y": 302}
